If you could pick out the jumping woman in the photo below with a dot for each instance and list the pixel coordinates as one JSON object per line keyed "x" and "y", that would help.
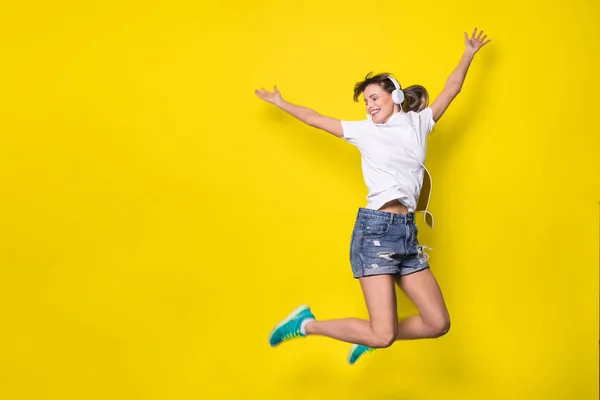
{"x": 384, "y": 249}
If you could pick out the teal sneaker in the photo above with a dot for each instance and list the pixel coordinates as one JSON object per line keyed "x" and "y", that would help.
{"x": 356, "y": 351}
{"x": 290, "y": 327}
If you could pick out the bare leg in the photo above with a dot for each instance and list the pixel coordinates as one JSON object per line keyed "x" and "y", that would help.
{"x": 382, "y": 328}
{"x": 433, "y": 320}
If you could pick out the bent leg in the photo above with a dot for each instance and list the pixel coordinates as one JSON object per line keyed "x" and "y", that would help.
{"x": 382, "y": 328}
{"x": 433, "y": 320}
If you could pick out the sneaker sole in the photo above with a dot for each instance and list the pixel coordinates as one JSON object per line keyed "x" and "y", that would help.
{"x": 354, "y": 346}
{"x": 293, "y": 315}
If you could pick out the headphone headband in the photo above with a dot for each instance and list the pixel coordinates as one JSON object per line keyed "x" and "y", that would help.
{"x": 394, "y": 81}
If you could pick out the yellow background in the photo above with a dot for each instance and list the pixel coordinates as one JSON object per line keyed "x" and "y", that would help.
{"x": 157, "y": 219}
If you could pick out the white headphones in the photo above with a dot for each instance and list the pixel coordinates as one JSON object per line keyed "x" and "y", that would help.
{"x": 397, "y": 95}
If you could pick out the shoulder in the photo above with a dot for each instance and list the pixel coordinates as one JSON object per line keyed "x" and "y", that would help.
{"x": 424, "y": 114}
{"x": 354, "y": 129}
{"x": 422, "y": 120}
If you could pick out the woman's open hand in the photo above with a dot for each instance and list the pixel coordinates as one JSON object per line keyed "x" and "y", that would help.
{"x": 475, "y": 42}
{"x": 270, "y": 97}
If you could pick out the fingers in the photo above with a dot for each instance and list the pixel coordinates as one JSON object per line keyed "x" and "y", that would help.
{"x": 268, "y": 96}
{"x": 478, "y": 38}
{"x": 483, "y": 41}
{"x": 263, "y": 93}
{"x": 478, "y": 34}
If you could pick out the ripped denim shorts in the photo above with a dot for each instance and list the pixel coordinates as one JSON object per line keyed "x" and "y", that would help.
{"x": 385, "y": 243}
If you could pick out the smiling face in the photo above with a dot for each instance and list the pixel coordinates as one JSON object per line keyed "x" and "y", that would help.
{"x": 379, "y": 103}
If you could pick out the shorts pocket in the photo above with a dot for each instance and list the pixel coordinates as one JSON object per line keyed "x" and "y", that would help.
{"x": 375, "y": 228}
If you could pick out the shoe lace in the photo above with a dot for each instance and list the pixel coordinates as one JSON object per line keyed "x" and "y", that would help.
{"x": 291, "y": 335}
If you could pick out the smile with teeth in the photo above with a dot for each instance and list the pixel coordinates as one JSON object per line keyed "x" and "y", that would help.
{"x": 374, "y": 112}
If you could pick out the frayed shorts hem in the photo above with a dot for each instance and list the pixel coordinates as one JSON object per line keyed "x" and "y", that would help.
{"x": 389, "y": 271}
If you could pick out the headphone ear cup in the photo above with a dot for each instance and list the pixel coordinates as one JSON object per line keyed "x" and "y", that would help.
{"x": 398, "y": 96}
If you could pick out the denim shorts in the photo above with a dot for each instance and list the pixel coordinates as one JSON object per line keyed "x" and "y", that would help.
{"x": 385, "y": 243}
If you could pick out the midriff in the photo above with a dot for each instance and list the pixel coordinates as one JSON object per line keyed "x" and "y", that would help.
{"x": 395, "y": 207}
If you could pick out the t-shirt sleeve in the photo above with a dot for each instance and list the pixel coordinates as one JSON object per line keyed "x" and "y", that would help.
{"x": 423, "y": 121}
{"x": 353, "y": 130}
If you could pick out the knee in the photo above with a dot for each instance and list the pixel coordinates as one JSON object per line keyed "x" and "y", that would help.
{"x": 384, "y": 339}
{"x": 438, "y": 327}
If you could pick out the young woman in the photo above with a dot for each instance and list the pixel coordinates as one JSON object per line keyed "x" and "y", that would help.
{"x": 384, "y": 248}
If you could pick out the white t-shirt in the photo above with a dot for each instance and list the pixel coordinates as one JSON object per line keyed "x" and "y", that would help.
{"x": 393, "y": 155}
